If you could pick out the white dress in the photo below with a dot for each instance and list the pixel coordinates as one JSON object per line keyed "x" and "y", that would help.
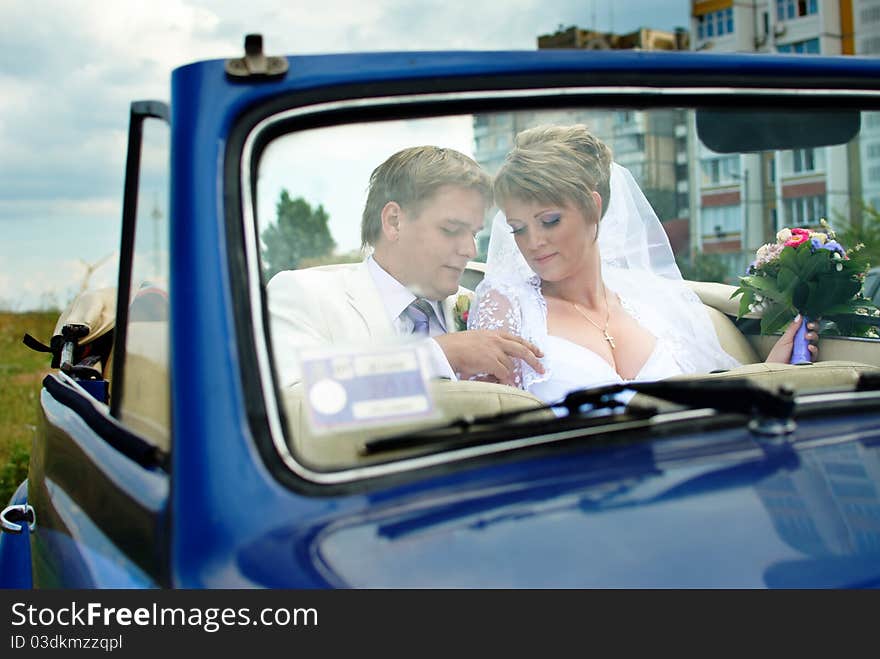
{"x": 522, "y": 310}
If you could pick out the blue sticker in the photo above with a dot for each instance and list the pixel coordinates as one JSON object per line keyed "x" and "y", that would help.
{"x": 378, "y": 387}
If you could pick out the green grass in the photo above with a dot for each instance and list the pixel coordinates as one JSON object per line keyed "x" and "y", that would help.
{"x": 21, "y": 371}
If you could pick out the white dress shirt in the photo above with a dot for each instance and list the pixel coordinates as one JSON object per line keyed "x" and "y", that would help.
{"x": 396, "y": 298}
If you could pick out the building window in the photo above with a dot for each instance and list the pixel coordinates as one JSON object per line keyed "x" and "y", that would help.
{"x": 721, "y": 170}
{"x": 637, "y": 170}
{"x": 874, "y": 150}
{"x": 682, "y": 199}
{"x": 808, "y": 47}
{"x": 804, "y": 211}
{"x": 874, "y": 173}
{"x": 870, "y": 14}
{"x": 788, "y": 9}
{"x": 629, "y": 144}
{"x": 869, "y": 46}
{"x": 803, "y": 160}
{"x": 718, "y": 221}
{"x": 871, "y": 119}
{"x": 716, "y": 23}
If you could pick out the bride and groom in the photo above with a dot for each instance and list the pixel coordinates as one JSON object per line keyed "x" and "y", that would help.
{"x": 581, "y": 287}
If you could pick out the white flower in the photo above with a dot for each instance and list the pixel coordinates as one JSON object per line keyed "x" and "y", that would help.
{"x": 759, "y": 297}
{"x": 783, "y": 236}
{"x": 821, "y": 237}
{"x": 839, "y": 267}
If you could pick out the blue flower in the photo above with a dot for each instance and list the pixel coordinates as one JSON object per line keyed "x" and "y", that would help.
{"x": 815, "y": 244}
{"x": 834, "y": 246}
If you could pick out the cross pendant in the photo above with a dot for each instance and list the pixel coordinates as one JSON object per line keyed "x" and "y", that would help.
{"x": 609, "y": 338}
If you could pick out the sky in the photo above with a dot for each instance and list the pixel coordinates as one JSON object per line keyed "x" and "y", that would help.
{"x": 70, "y": 69}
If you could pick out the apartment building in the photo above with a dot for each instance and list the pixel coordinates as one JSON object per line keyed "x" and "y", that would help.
{"x": 743, "y": 200}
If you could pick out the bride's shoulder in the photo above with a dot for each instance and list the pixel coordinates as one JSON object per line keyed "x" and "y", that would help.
{"x": 512, "y": 290}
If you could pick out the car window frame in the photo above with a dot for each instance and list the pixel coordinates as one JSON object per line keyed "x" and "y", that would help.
{"x": 258, "y": 126}
{"x": 139, "y": 113}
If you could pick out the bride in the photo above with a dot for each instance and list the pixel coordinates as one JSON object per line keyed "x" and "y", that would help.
{"x": 580, "y": 266}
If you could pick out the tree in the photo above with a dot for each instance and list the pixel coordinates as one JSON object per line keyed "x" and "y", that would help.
{"x": 703, "y": 267}
{"x": 864, "y": 229}
{"x": 300, "y": 233}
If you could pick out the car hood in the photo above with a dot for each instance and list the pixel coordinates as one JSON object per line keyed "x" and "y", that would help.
{"x": 797, "y": 518}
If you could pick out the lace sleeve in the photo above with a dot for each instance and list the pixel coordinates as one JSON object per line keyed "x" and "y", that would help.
{"x": 495, "y": 310}
{"x": 519, "y": 310}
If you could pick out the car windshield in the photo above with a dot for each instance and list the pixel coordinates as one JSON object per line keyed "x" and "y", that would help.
{"x": 374, "y": 237}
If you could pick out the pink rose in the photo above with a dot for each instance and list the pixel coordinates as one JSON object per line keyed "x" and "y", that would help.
{"x": 798, "y": 236}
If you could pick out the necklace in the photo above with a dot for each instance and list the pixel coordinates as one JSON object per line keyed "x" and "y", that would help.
{"x": 604, "y": 330}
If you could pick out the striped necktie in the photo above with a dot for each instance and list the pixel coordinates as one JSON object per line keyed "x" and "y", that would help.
{"x": 421, "y": 312}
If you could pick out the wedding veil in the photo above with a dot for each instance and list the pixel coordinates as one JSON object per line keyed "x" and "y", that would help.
{"x": 637, "y": 264}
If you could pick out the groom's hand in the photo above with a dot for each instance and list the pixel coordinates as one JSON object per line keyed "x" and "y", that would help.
{"x": 492, "y": 352}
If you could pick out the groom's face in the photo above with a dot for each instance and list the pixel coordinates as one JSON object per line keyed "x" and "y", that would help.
{"x": 437, "y": 239}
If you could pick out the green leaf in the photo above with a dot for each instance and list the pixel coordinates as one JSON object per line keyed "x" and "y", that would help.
{"x": 788, "y": 258}
{"x": 803, "y": 254}
{"x": 776, "y": 318}
{"x": 829, "y": 291}
{"x": 802, "y": 293}
{"x": 764, "y": 285}
{"x": 842, "y": 308}
{"x": 817, "y": 264}
{"x": 787, "y": 280}
{"x": 748, "y": 298}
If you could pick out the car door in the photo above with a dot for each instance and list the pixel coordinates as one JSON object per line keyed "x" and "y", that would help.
{"x": 98, "y": 475}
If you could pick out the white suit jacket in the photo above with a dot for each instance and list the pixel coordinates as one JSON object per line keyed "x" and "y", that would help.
{"x": 329, "y": 305}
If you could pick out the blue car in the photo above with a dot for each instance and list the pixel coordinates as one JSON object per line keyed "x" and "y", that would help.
{"x": 185, "y": 443}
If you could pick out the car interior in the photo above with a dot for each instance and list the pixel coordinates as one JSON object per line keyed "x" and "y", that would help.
{"x": 302, "y": 169}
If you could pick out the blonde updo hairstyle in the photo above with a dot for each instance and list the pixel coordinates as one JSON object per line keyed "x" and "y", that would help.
{"x": 557, "y": 165}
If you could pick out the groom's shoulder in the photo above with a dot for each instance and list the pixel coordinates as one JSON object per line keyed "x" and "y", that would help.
{"x": 322, "y": 275}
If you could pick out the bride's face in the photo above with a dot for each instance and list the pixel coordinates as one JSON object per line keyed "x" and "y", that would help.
{"x": 557, "y": 241}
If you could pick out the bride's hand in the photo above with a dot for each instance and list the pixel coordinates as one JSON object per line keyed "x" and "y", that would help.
{"x": 781, "y": 351}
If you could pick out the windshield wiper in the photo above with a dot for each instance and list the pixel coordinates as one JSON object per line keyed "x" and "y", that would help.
{"x": 735, "y": 395}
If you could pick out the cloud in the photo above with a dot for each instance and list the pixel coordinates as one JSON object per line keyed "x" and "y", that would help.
{"x": 77, "y": 65}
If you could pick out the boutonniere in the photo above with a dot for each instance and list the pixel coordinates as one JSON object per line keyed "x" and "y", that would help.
{"x": 460, "y": 311}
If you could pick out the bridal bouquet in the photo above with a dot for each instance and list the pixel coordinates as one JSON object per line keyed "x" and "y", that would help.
{"x": 810, "y": 273}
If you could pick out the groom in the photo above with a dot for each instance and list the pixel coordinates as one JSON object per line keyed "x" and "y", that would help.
{"x": 424, "y": 207}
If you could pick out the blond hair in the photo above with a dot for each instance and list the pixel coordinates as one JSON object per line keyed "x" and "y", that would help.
{"x": 558, "y": 165}
{"x": 412, "y": 176}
